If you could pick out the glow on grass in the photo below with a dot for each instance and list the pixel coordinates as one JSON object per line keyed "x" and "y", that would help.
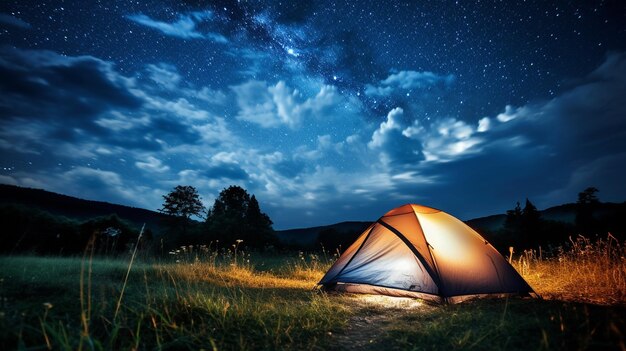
{"x": 390, "y": 301}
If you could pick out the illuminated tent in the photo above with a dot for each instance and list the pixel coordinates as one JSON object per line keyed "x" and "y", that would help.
{"x": 422, "y": 252}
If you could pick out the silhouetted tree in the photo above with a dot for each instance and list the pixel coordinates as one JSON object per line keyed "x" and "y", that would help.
{"x": 180, "y": 204}
{"x": 184, "y": 201}
{"x": 585, "y": 207}
{"x": 236, "y": 215}
{"x": 512, "y": 223}
{"x": 530, "y": 225}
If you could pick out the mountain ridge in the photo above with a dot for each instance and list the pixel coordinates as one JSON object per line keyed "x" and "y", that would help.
{"x": 82, "y": 209}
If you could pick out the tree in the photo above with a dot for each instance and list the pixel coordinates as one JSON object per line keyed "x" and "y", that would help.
{"x": 585, "y": 207}
{"x": 513, "y": 220}
{"x": 236, "y": 215}
{"x": 588, "y": 196}
{"x": 531, "y": 224}
{"x": 184, "y": 201}
{"x": 523, "y": 226}
{"x": 179, "y": 205}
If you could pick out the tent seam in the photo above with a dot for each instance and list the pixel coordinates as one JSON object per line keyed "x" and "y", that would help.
{"x": 355, "y": 253}
{"x": 416, "y": 253}
{"x": 432, "y": 257}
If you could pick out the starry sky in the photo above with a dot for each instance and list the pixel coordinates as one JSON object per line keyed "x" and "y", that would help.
{"x": 326, "y": 111}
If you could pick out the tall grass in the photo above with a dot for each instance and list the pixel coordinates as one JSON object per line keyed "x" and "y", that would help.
{"x": 228, "y": 299}
{"x": 203, "y": 299}
{"x": 580, "y": 270}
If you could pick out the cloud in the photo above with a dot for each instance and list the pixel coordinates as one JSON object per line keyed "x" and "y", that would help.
{"x": 280, "y": 105}
{"x": 213, "y": 97}
{"x": 448, "y": 139}
{"x": 225, "y": 170}
{"x": 164, "y": 75}
{"x": 184, "y": 27}
{"x": 292, "y": 112}
{"x": 93, "y": 184}
{"x": 49, "y": 100}
{"x": 396, "y": 148}
{"x": 14, "y": 21}
{"x": 44, "y": 84}
{"x": 152, "y": 164}
{"x": 382, "y": 133}
{"x": 442, "y": 140}
{"x": 483, "y": 124}
{"x": 509, "y": 114}
{"x": 407, "y": 80}
{"x": 547, "y": 151}
{"x": 256, "y": 104}
{"x": 74, "y": 106}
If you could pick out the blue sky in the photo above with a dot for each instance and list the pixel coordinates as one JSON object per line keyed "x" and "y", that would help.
{"x": 326, "y": 111}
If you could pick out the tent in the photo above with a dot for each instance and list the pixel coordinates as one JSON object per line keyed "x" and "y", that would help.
{"x": 418, "y": 251}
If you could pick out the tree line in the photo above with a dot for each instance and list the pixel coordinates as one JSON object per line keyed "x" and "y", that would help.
{"x": 525, "y": 228}
{"x": 234, "y": 216}
{"x": 28, "y": 229}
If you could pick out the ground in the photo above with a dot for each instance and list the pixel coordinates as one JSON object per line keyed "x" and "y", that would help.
{"x": 221, "y": 301}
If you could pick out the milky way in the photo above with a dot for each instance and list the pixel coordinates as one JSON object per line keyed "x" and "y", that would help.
{"x": 325, "y": 111}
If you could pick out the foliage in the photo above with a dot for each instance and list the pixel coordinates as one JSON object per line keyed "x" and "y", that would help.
{"x": 180, "y": 205}
{"x": 585, "y": 208}
{"x": 236, "y": 215}
{"x": 580, "y": 270}
{"x": 27, "y": 229}
{"x": 111, "y": 235}
{"x": 525, "y": 228}
{"x": 513, "y": 219}
{"x": 531, "y": 224}
{"x": 183, "y": 201}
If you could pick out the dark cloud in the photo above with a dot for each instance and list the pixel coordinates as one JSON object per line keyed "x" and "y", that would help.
{"x": 173, "y": 130}
{"x": 547, "y": 151}
{"x": 77, "y": 98}
{"x": 46, "y": 85}
{"x": 225, "y": 170}
{"x": 289, "y": 168}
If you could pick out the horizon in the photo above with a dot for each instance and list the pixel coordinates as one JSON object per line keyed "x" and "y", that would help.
{"x": 326, "y": 112}
{"x": 318, "y": 225}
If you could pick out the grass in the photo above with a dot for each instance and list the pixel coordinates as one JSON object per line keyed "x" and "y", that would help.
{"x": 215, "y": 305}
{"x": 582, "y": 270}
{"x": 204, "y": 299}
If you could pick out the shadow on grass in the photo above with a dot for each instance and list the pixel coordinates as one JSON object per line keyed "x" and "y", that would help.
{"x": 513, "y": 324}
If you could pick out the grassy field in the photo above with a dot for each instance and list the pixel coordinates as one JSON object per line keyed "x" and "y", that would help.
{"x": 200, "y": 299}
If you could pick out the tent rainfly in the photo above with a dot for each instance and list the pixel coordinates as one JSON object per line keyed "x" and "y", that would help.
{"x": 418, "y": 251}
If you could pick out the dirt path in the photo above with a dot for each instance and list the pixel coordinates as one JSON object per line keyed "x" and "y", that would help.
{"x": 373, "y": 316}
{"x": 363, "y": 331}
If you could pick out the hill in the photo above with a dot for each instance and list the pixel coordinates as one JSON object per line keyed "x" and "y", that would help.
{"x": 613, "y": 215}
{"x": 308, "y": 237}
{"x": 75, "y": 208}
{"x": 565, "y": 213}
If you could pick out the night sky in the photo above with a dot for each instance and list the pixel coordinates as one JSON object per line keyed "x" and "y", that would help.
{"x": 325, "y": 111}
